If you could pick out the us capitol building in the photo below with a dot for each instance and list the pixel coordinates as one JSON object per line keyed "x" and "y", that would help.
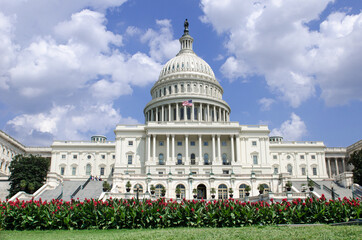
{"x": 189, "y": 142}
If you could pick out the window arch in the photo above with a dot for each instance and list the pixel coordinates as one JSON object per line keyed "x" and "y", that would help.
{"x": 158, "y": 190}
{"x": 139, "y": 187}
{"x": 290, "y": 169}
{"x": 88, "y": 169}
{"x": 222, "y": 191}
{"x": 206, "y": 159}
{"x": 182, "y": 190}
{"x": 179, "y": 159}
{"x": 193, "y": 161}
{"x": 242, "y": 190}
{"x": 161, "y": 159}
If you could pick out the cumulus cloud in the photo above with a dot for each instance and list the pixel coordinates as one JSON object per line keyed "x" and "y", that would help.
{"x": 266, "y": 103}
{"x": 161, "y": 42}
{"x": 272, "y": 39}
{"x": 61, "y": 79}
{"x": 292, "y": 129}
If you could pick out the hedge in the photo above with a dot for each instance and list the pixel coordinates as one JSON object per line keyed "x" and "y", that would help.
{"x": 162, "y": 213}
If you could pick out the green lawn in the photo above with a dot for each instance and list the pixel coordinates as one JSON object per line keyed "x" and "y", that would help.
{"x": 268, "y": 232}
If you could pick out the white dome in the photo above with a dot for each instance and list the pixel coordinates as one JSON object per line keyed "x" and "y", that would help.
{"x": 186, "y": 63}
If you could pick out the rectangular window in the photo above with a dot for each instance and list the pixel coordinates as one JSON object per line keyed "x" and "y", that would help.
{"x": 313, "y": 156}
{"x": 223, "y": 143}
{"x": 179, "y": 143}
{"x": 253, "y": 143}
{"x": 303, "y": 171}
{"x": 301, "y": 156}
{"x": 63, "y": 156}
{"x": 130, "y": 158}
{"x": 62, "y": 170}
{"x": 255, "y": 159}
{"x": 75, "y": 156}
{"x": 275, "y": 170}
{"x": 102, "y": 171}
{"x": 179, "y": 173}
{"x": 275, "y": 157}
{"x": 113, "y": 156}
{"x": 103, "y": 156}
{"x": 207, "y": 172}
{"x": 160, "y": 173}
{"x": 161, "y": 143}
{"x": 130, "y": 143}
{"x": 74, "y": 170}
{"x": 194, "y": 173}
{"x": 192, "y": 143}
{"x": 206, "y": 143}
{"x": 225, "y": 171}
{"x": 315, "y": 171}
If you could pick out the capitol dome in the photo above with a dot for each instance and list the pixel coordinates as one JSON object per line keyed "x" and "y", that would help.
{"x": 186, "y": 77}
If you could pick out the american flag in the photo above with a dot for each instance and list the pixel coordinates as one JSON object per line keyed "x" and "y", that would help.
{"x": 187, "y": 103}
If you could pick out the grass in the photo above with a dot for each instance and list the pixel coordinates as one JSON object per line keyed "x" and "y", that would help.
{"x": 267, "y": 232}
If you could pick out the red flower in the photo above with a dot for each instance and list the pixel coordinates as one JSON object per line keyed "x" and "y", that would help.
{"x": 192, "y": 210}
{"x": 160, "y": 217}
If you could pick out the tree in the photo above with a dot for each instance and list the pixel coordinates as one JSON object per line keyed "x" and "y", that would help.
{"x": 356, "y": 160}
{"x": 27, "y": 173}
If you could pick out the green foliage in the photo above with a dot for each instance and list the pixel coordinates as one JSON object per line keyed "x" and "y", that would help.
{"x": 106, "y": 186}
{"x": 212, "y": 191}
{"x": 162, "y": 213}
{"x": 310, "y": 183}
{"x": 178, "y": 190}
{"x": 261, "y": 187}
{"x": 356, "y": 160}
{"x": 27, "y": 173}
{"x": 128, "y": 184}
{"x": 247, "y": 188}
{"x": 289, "y": 184}
{"x": 152, "y": 188}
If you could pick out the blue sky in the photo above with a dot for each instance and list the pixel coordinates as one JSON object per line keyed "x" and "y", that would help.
{"x": 71, "y": 69}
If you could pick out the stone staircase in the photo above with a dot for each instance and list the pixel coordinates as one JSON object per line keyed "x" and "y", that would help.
{"x": 68, "y": 188}
{"x": 93, "y": 190}
{"x": 4, "y": 186}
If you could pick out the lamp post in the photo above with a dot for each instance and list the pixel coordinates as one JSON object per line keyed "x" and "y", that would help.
{"x": 332, "y": 188}
{"x": 138, "y": 188}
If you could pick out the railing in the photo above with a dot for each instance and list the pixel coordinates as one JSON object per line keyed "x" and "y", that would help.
{"x": 86, "y": 183}
{"x": 60, "y": 196}
{"x": 314, "y": 183}
{"x": 76, "y": 191}
{"x": 330, "y": 191}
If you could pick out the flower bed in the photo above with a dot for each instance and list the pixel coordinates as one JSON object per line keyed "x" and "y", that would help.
{"x": 114, "y": 213}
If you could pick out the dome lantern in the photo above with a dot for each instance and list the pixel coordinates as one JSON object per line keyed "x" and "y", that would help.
{"x": 186, "y": 40}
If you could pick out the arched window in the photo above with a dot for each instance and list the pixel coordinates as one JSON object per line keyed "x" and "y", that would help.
{"x": 161, "y": 160}
{"x": 138, "y": 187}
{"x": 179, "y": 159}
{"x": 222, "y": 191}
{"x": 290, "y": 169}
{"x": 225, "y": 159}
{"x": 88, "y": 169}
{"x": 206, "y": 159}
{"x": 193, "y": 161}
{"x": 183, "y": 190}
{"x": 158, "y": 190}
{"x": 242, "y": 190}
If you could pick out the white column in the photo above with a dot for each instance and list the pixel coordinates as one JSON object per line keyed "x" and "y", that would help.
{"x": 213, "y": 149}
{"x": 187, "y": 149}
{"x": 232, "y": 148}
{"x": 238, "y": 148}
{"x": 185, "y": 113}
{"x": 200, "y": 150}
{"x": 162, "y": 114}
{"x": 224, "y": 114}
{"x": 337, "y": 169}
{"x": 173, "y": 149}
{"x": 343, "y": 166}
{"x": 219, "y": 114}
{"x": 218, "y": 149}
{"x": 152, "y": 119}
{"x": 118, "y": 152}
{"x": 148, "y": 148}
{"x": 154, "y": 149}
{"x": 192, "y": 112}
{"x": 215, "y": 113}
{"x": 177, "y": 113}
{"x": 169, "y": 112}
{"x": 157, "y": 114}
{"x": 200, "y": 112}
{"x": 167, "y": 148}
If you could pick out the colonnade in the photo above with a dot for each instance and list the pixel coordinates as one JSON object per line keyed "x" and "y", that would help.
{"x": 196, "y": 112}
{"x": 335, "y": 161}
{"x": 216, "y": 153}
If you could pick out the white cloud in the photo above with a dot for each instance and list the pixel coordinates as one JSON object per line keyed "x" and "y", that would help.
{"x": 271, "y": 38}
{"x": 61, "y": 79}
{"x": 266, "y": 103}
{"x": 161, "y": 42}
{"x": 292, "y": 129}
